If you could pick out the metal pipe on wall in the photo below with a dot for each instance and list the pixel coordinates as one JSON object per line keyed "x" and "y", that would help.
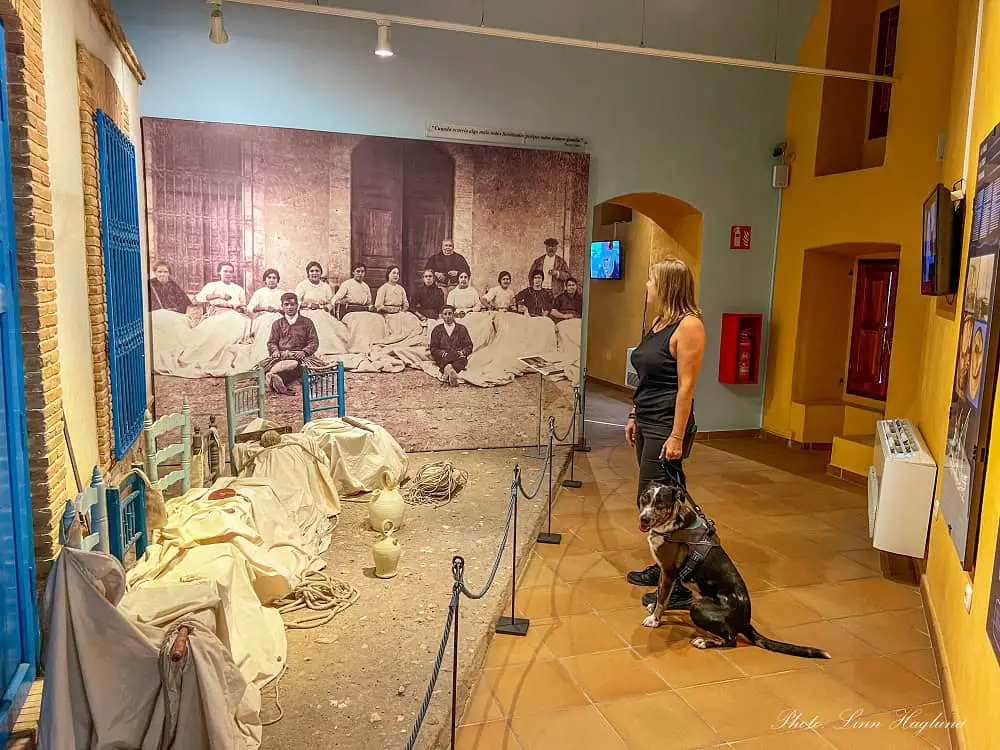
{"x": 564, "y": 41}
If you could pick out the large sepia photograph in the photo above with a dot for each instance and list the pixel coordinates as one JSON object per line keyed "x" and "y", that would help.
{"x": 429, "y": 270}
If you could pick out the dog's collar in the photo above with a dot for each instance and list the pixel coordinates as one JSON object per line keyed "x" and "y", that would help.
{"x": 696, "y": 533}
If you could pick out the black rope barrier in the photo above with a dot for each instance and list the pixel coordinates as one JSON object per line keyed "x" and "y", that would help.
{"x": 435, "y": 673}
{"x": 547, "y": 537}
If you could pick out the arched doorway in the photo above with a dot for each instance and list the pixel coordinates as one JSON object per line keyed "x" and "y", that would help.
{"x": 649, "y": 226}
{"x": 402, "y": 205}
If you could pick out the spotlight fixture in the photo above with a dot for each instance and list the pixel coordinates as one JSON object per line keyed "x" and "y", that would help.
{"x": 217, "y": 31}
{"x": 383, "y": 48}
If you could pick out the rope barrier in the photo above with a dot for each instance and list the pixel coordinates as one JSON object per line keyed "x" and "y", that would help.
{"x": 436, "y": 484}
{"x": 572, "y": 419}
{"x": 541, "y": 476}
{"x": 436, "y": 671}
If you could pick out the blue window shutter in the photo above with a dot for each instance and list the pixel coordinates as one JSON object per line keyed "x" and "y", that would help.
{"x": 122, "y": 282}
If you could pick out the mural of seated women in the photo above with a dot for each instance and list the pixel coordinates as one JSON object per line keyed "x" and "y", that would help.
{"x": 428, "y": 298}
{"x": 165, "y": 293}
{"x": 464, "y": 298}
{"x": 391, "y": 296}
{"x": 312, "y": 291}
{"x": 535, "y": 301}
{"x": 225, "y": 294}
{"x": 500, "y": 297}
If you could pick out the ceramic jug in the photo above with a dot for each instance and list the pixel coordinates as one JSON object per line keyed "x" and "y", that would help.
{"x": 388, "y": 505}
{"x": 386, "y": 552}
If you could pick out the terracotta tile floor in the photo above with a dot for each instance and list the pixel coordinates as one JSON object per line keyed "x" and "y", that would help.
{"x": 588, "y": 675}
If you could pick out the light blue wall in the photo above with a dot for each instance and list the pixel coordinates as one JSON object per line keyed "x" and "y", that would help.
{"x": 703, "y": 133}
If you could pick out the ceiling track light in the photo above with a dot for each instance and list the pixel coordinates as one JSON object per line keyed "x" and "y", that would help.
{"x": 217, "y": 30}
{"x": 383, "y": 47}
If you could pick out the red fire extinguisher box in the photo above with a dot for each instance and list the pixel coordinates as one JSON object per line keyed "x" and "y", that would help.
{"x": 739, "y": 355}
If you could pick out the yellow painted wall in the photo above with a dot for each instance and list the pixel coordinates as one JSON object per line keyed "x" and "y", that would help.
{"x": 934, "y": 63}
{"x": 878, "y": 205}
{"x": 660, "y": 226}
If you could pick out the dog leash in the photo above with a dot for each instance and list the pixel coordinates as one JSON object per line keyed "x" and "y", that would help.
{"x": 701, "y": 548}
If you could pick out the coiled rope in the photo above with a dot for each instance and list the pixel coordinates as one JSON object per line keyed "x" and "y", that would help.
{"x": 436, "y": 484}
{"x": 323, "y": 596}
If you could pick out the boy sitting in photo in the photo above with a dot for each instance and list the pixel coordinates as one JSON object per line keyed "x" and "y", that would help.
{"x": 292, "y": 346}
{"x": 451, "y": 345}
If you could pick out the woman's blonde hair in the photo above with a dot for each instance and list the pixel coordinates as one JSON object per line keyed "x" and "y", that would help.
{"x": 674, "y": 284}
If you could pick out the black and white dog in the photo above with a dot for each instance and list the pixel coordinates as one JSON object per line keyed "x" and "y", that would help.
{"x": 685, "y": 546}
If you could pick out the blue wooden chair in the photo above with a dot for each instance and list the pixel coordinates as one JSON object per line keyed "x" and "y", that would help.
{"x": 322, "y": 390}
{"x": 155, "y": 458}
{"x": 127, "y": 517}
{"x": 90, "y": 508}
{"x": 244, "y": 403}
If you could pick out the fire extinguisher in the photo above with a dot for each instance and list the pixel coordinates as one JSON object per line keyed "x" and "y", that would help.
{"x": 744, "y": 356}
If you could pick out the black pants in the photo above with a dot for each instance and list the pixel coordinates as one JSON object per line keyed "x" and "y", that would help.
{"x": 651, "y": 467}
{"x": 457, "y": 361}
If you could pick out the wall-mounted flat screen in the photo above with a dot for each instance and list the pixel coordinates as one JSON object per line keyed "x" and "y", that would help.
{"x": 606, "y": 260}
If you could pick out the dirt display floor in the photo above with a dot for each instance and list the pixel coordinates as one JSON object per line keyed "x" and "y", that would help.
{"x": 359, "y": 681}
{"x": 420, "y": 412}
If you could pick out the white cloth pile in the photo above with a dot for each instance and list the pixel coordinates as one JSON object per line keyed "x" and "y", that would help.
{"x": 363, "y": 455}
{"x": 139, "y": 698}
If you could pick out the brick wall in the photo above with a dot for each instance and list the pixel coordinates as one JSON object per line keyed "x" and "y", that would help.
{"x": 36, "y": 269}
{"x": 47, "y": 455}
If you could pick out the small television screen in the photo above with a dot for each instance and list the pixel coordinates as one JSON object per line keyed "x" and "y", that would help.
{"x": 941, "y": 245}
{"x": 606, "y": 260}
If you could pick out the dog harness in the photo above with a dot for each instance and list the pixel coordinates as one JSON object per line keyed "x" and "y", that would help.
{"x": 700, "y": 537}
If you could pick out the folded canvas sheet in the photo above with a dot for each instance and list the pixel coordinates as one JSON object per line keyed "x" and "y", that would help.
{"x": 363, "y": 459}
{"x": 297, "y": 461}
{"x": 103, "y": 687}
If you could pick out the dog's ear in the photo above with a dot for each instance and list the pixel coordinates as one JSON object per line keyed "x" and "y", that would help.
{"x": 683, "y": 514}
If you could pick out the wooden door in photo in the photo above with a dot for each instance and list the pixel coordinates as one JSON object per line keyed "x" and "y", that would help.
{"x": 871, "y": 332}
{"x": 377, "y": 207}
{"x": 428, "y": 205}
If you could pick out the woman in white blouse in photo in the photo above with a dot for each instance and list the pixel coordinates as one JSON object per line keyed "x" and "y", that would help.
{"x": 313, "y": 292}
{"x": 316, "y": 303}
{"x": 224, "y": 294}
{"x": 500, "y": 297}
{"x": 464, "y": 298}
{"x": 391, "y": 296}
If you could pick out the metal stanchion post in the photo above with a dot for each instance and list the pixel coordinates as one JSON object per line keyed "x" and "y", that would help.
{"x": 547, "y": 537}
{"x": 541, "y": 389}
{"x": 572, "y": 482}
{"x": 513, "y": 625}
{"x": 458, "y": 571}
{"x": 582, "y": 446}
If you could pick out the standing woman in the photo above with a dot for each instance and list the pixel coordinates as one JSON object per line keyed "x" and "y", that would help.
{"x": 661, "y": 426}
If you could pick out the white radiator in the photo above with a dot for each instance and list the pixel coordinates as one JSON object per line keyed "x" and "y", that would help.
{"x": 900, "y": 489}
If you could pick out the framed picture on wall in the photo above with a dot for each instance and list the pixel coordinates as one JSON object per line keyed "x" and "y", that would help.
{"x": 974, "y": 384}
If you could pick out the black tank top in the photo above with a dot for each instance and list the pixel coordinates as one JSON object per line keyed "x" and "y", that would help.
{"x": 656, "y": 393}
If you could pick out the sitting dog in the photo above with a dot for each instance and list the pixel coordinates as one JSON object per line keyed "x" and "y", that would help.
{"x": 685, "y": 546}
